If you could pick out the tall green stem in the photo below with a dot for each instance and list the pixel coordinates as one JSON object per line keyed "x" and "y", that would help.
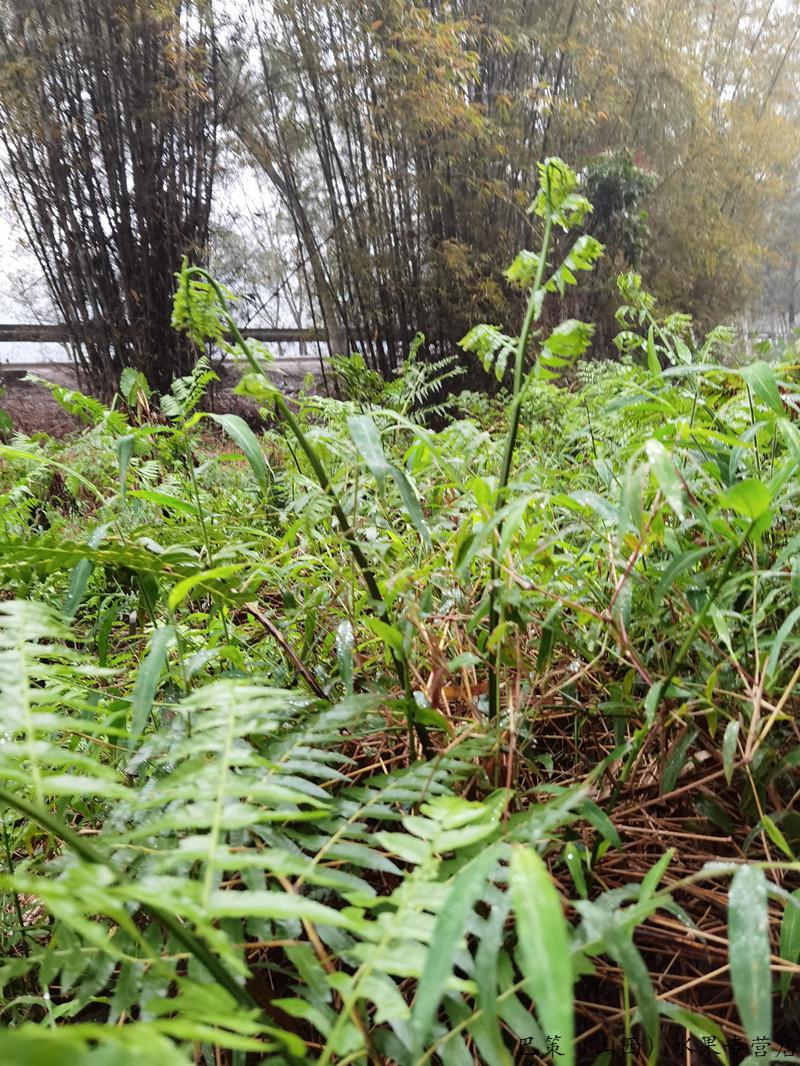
{"x": 532, "y": 314}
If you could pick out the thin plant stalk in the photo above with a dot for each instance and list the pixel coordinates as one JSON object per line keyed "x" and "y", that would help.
{"x": 532, "y": 313}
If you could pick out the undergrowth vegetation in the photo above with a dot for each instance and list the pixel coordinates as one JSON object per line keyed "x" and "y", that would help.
{"x": 358, "y": 740}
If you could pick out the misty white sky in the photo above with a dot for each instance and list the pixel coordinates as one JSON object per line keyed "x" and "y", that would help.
{"x": 12, "y": 260}
{"x": 17, "y": 265}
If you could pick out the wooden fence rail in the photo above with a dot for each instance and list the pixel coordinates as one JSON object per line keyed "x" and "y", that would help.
{"x": 58, "y": 334}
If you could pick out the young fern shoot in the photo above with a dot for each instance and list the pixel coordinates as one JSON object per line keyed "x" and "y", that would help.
{"x": 559, "y": 204}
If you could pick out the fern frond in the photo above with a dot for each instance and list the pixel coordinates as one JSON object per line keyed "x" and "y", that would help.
{"x": 87, "y": 409}
{"x": 46, "y": 751}
{"x": 187, "y": 392}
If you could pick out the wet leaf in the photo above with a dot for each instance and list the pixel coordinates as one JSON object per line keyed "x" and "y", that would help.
{"x": 749, "y": 950}
{"x": 543, "y": 950}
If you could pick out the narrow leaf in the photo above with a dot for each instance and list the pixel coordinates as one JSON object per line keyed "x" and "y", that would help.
{"x": 610, "y": 929}
{"x": 543, "y": 949}
{"x": 653, "y": 876}
{"x": 780, "y": 637}
{"x": 600, "y": 820}
{"x": 278, "y": 906}
{"x": 760, "y": 378}
{"x": 623, "y": 949}
{"x": 79, "y": 578}
{"x": 678, "y": 566}
{"x": 124, "y": 448}
{"x": 790, "y": 937}
{"x": 183, "y": 588}
{"x": 750, "y": 498}
{"x": 653, "y": 365}
{"x": 749, "y": 951}
{"x": 344, "y": 654}
{"x": 676, "y": 761}
{"x": 147, "y": 681}
{"x": 445, "y": 943}
{"x": 239, "y": 432}
{"x": 164, "y": 499}
{"x": 368, "y": 441}
{"x": 777, "y": 837}
{"x": 729, "y": 742}
{"x": 666, "y": 475}
{"x": 698, "y": 1026}
{"x": 413, "y": 509}
{"x": 487, "y": 956}
{"x": 390, "y": 635}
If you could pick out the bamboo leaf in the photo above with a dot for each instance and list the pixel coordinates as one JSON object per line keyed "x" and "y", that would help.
{"x": 609, "y": 928}
{"x": 467, "y": 888}
{"x": 761, "y": 379}
{"x": 79, "y": 578}
{"x": 165, "y": 499}
{"x": 676, "y": 761}
{"x": 409, "y": 498}
{"x": 600, "y": 820}
{"x": 203, "y": 579}
{"x": 777, "y": 837}
{"x": 279, "y": 906}
{"x": 390, "y": 635}
{"x": 239, "y": 432}
{"x": 653, "y": 364}
{"x": 368, "y": 441}
{"x": 487, "y": 959}
{"x": 654, "y": 875}
{"x": 749, "y": 950}
{"x": 698, "y": 1026}
{"x": 750, "y": 498}
{"x": 625, "y": 952}
{"x": 679, "y": 565}
{"x": 729, "y": 742}
{"x": 543, "y": 949}
{"x": 780, "y": 639}
{"x": 666, "y": 475}
{"x": 124, "y": 448}
{"x": 147, "y": 681}
{"x": 344, "y": 654}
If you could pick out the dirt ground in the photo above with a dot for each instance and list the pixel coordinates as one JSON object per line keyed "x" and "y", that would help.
{"x": 32, "y": 408}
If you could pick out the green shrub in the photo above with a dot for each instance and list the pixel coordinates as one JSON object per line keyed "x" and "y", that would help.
{"x": 364, "y": 741}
